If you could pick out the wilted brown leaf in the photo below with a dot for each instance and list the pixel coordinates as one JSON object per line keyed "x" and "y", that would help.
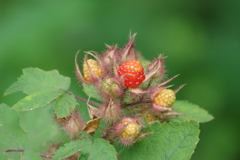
{"x": 91, "y": 126}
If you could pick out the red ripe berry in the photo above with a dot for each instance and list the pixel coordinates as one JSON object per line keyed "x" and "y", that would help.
{"x": 133, "y": 73}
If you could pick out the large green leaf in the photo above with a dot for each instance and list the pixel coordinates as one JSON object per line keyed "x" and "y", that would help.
{"x": 70, "y": 148}
{"x": 37, "y": 99}
{"x": 12, "y": 136}
{"x": 91, "y": 150}
{"x": 34, "y": 79}
{"x": 100, "y": 150}
{"x": 30, "y": 155}
{"x": 42, "y": 130}
{"x": 170, "y": 141}
{"x": 191, "y": 111}
{"x": 64, "y": 105}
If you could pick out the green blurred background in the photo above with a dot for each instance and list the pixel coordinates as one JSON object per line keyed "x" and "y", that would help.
{"x": 200, "y": 38}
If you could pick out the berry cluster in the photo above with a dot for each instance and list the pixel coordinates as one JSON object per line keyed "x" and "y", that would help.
{"x": 132, "y": 90}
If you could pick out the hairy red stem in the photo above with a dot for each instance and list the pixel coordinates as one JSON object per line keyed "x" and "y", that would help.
{"x": 135, "y": 103}
{"x": 20, "y": 150}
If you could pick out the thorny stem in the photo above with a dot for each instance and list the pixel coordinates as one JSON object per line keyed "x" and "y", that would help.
{"x": 20, "y": 150}
{"x": 96, "y": 104}
{"x": 135, "y": 103}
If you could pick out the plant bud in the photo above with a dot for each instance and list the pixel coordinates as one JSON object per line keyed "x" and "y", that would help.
{"x": 60, "y": 121}
{"x": 157, "y": 68}
{"x": 110, "y": 56}
{"x": 110, "y": 112}
{"x": 74, "y": 125}
{"x": 110, "y": 88}
{"x": 128, "y": 129}
{"x": 128, "y": 52}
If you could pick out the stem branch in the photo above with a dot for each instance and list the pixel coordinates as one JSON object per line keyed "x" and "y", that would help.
{"x": 20, "y": 150}
{"x": 135, "y": 103}
{"x": 97, "y": 104}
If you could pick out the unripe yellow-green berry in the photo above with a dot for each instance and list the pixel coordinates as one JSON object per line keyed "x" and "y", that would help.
{"x": 94, "y": 66}
{"x": 110, "y": 112}
{"x": 108, "y": 84}
{"x": 130, "y": 129}
{"x": 150, "y": 117}
{"x": 165, "y": 98}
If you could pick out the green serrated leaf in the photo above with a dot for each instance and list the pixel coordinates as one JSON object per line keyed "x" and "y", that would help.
{"x": 37, "y": 99}
{"x": 98, "y": 149}
{"x": 90, "y": 90}
{"x": 170, "y": 141}
{"x": 73, "y": 147}
{"x": 34, "y": 79}
{"x": 192, "y": 111}
{"x": 64, "y": 105}
{"x": 30, "y": 155}
{"x": 41, "y": 128}
{"x": 12, "y": 136}
{"x": 101, "y": 150}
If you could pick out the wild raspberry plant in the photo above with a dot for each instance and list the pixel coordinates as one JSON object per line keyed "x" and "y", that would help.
{"x": 138, "y": 116}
